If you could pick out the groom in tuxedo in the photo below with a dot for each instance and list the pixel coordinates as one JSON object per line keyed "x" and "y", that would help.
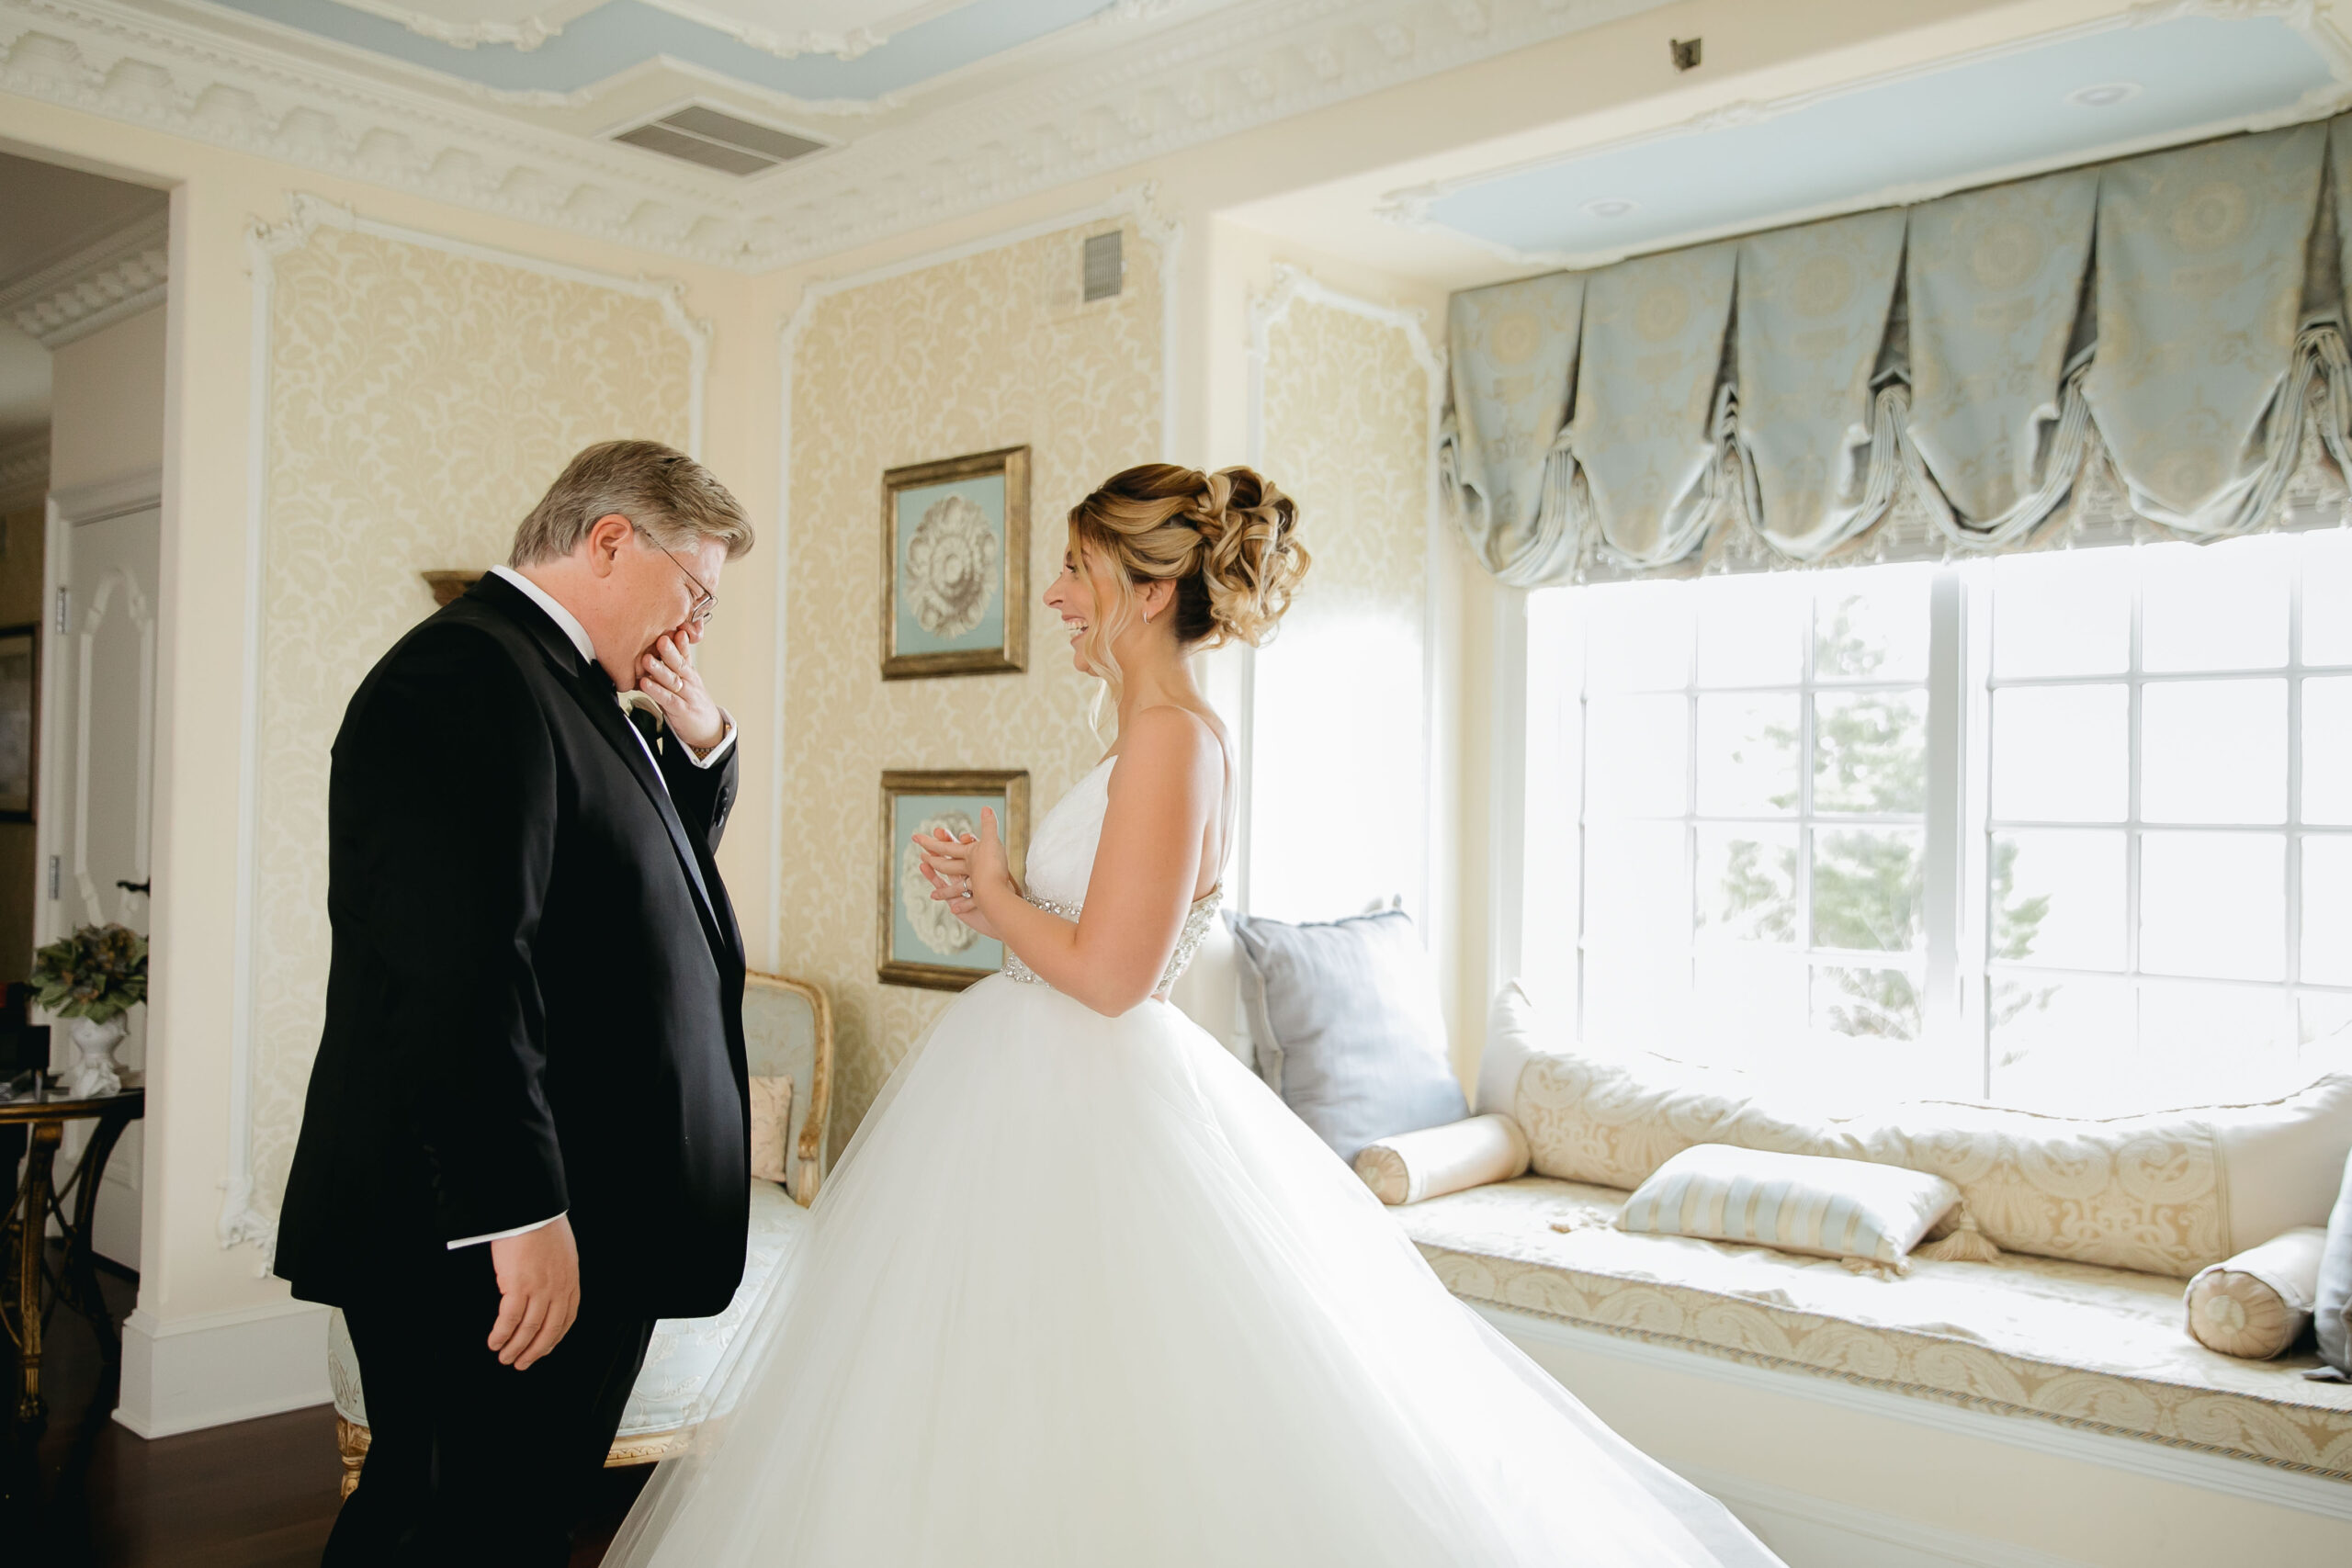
{"x": 526, "y": 1133}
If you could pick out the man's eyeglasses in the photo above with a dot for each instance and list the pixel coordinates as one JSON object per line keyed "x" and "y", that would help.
{"x": 705, "y": 602}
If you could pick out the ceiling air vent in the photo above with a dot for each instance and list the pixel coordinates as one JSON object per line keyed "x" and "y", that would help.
{"x": 1106, "y": 266}
{"x": 717, "y": 140}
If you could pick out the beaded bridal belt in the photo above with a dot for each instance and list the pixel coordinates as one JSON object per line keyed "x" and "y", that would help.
{"x": 1197, "y": 921}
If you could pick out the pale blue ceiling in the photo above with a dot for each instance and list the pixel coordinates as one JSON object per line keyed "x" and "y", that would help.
{"x": 624, "y": 33}
{"x": 1966, "y": 120}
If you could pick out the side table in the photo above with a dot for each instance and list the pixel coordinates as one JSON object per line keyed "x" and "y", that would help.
{"x": 37, "y": 1200}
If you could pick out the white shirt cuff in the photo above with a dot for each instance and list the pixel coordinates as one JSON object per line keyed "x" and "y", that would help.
{"x": 502, "y": 1236}
{"x": 711, "y": 758}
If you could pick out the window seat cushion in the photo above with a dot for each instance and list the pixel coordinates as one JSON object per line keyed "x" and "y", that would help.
{"x": 2077, "y": 1343}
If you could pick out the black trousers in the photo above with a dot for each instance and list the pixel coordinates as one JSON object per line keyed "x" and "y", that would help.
{"x": 469, "y": 1461}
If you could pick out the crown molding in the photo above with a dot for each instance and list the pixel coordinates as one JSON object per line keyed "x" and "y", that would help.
{"x": 1231, "y": 69}
{"x": 1226, "y": 72}
{"x": 109, "y": 59}
{"x": 24, "y": 471}
{"x": 121, "y": 275}
{"x": 1410, "y": 207}
{"x": 523, "y": 35}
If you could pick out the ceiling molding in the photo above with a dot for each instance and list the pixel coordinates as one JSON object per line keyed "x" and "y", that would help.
{"x": 24, "y": 471}
{"x": 121, "y": 275}
{"x": 526, "y": 35}
{"x": 1231, "y": 69}
{"x": 1411, "y": 208}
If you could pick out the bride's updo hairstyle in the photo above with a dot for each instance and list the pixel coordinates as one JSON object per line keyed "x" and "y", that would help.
{"x": 1227, "y": 540}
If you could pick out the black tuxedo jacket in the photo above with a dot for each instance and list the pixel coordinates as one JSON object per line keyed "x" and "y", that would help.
{"x": 534, "y": 1001}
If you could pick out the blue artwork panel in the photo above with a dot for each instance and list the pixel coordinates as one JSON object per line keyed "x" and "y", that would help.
{"x": 921, "y": 930}
{"x": 950, "y": 548}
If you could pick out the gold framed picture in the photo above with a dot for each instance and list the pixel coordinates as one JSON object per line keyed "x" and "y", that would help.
{"x": 918, "y": 942}
{"x": 955, "y": 566}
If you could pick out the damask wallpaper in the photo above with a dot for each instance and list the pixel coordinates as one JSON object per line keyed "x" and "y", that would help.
{"x": 990, "y": 350}
{"x": 420, "y": 401}
{"x": 1339, "y": 727}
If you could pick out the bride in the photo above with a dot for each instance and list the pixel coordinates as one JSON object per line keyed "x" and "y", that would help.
{"x": 1082, "y": 1291}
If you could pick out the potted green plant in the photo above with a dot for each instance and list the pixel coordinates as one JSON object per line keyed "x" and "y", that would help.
{"x": 93, "y": 977}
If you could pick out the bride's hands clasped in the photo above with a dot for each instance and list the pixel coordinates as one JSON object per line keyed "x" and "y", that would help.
{"x": 960, "y": 869}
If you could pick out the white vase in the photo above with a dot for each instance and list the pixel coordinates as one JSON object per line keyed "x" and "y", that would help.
{"x": 95, "y": 1071}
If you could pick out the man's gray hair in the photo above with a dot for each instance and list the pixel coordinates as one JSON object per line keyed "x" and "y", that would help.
{"x": 675, "y": 500}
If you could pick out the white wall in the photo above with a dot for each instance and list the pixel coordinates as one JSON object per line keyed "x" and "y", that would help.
{"x": 106, "y": 403}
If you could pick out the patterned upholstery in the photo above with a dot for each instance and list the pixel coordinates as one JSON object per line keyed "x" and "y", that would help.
{"x": 2090, "y": 1347}
{"x": 2168, "y": 1193}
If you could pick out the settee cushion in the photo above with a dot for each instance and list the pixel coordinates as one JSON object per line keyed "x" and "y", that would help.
{"x": 2167, "y": 1193}
{"x": 1828, "y": 1208}
{"x": 2331, "y": 1313}
{"x": 2074, "y": 1343}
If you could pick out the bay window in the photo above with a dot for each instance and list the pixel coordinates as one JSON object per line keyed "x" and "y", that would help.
{"x": 2069, "y": 829}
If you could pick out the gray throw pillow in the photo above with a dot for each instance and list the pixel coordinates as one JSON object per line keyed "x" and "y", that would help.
{"x": 2332, "y": 1314}
{"x": 1345, "y": 1016}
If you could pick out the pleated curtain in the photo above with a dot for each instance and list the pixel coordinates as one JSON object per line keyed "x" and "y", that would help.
{"x": 2174, "y": 321}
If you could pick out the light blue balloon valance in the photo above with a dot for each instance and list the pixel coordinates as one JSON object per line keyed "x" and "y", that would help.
{"x": 1965, "y": 373}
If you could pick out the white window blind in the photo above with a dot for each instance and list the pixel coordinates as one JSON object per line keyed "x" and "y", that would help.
{"x": 2070, "y": 830}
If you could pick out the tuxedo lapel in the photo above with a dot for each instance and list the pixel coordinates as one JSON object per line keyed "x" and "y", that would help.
{"x": 594, "y": 690}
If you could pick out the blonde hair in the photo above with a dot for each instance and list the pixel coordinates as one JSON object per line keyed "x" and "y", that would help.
{"x": 675, "y": 500}
{"x": 1227, "y": 540}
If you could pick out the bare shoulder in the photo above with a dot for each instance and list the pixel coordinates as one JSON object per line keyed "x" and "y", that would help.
{"x": 1166, "y": 744}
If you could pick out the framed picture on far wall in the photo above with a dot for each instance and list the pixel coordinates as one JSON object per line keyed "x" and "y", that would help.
{"x": 19, "y": 719}
{"x": 955, "y": 566}
{"x": 918, "y": 942}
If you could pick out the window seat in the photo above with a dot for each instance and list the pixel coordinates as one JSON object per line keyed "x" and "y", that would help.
{"x": 2079, "y": 1344}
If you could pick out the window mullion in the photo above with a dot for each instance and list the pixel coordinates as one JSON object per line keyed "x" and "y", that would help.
{"x": 1808, "y": 675}
{"x": 1940, "y": 873}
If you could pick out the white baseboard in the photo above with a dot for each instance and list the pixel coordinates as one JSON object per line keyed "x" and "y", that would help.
{"x": 192, "y": 1372}
{"x": 1814, "y": 1532}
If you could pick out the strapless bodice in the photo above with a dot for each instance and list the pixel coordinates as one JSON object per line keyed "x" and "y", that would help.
{"x": 1061, "y": 863}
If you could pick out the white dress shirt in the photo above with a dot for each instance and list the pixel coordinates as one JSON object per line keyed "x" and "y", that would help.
{"x": 571, "y": 628}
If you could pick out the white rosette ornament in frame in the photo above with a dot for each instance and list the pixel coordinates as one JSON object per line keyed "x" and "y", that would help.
{"x": 955, "y": 566}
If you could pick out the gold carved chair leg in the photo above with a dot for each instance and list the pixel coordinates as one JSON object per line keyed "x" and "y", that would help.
{"x": 353, "y": 1441}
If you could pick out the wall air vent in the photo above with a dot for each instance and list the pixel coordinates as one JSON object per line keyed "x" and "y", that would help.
{"x": 1105, "y": 267}
{"x": 717, "y": 140}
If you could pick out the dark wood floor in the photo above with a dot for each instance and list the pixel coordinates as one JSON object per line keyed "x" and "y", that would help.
{"x": 81, "y": 1491}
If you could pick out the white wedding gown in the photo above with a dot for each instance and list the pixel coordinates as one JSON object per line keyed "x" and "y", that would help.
{"x": 1084, "y": 1292}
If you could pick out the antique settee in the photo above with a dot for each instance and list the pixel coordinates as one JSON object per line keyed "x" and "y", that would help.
{"x": 788, "y": 1034}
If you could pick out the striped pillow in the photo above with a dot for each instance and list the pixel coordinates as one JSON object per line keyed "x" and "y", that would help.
{"x": 1831, "y": 1208}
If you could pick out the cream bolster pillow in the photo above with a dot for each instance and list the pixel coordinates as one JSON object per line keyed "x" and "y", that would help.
{"x": 2256, "y": 1304}
{"x": 1829, "y": 1208}
{"x": 1409, "y": 1167}
{"x": 771, "y": 1115}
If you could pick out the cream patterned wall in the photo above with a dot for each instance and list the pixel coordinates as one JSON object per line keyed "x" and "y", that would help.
{"x": 1340, "y": 720}
{"x": 987, "y": 350}
{"x": 420, "y": 396}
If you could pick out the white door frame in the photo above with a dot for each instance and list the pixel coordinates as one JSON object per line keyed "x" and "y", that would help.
{"x": 68, "y": 508}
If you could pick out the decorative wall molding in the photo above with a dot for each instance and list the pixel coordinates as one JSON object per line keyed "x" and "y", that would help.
{"x": 240, "y": 1220}
{"x": 1175, "y": 87}
{"x": 1137, "y": 205}
{"x": 1410, "y": 207}
{"x": 117, "y": 275}
{"x": 24, "y": 471}
{"x": 1265, "y": 310}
